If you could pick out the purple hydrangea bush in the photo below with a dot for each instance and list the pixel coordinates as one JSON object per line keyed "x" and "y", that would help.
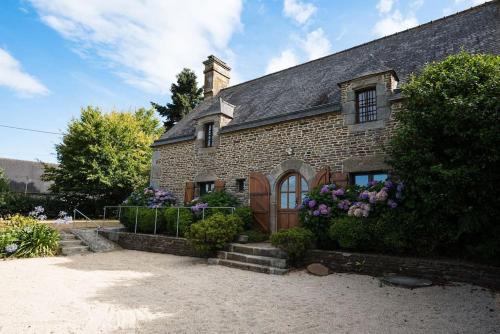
{"x": 334, "y": 201}
{"x": 152, "y": 198}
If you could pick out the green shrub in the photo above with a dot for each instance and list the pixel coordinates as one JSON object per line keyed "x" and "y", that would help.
{"x": 446, "y": 150}
{"x": 26, "y": 237}
{"x": 245, "y": 214}
{"x": 351, "y": 232}
{"x": 145, "y": 220}
{"x": 219, "y": 199}
{"x": 256, "y": 235}
{"x": 213, "y": 233}
{"x": 295, "y": 242}
{"x": 185, "y": 220}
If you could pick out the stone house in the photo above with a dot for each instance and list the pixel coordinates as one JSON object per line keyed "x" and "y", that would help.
{"x": 271, "y": 139}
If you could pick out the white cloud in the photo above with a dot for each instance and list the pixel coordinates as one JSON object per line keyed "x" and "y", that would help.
{"x": 385, "y": 6}
{"x": 13, "y": 77}
{"x": 286, "y": 59}
{"x": 299, "y": 11}
{"x": 145, "y": 42}
{"x": 316, "y": 44}
{"x": 393, "y": 23}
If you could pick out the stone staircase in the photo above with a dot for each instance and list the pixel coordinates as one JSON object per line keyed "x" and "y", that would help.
{"x": 72, "y": 245}
{"x": 259, "y": 257}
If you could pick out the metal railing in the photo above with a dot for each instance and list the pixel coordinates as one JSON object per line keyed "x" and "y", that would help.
{"x": 232, "y": 208}
{"x": 76, "y": 211}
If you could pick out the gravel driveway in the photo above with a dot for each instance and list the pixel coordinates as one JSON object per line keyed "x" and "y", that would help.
{"x": 137, "y": 292}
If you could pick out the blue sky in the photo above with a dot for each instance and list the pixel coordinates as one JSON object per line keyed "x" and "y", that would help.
{"x": 57, "y": 56}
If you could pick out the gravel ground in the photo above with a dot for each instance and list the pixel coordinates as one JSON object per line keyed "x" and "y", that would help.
{"x": 137, "y": 292}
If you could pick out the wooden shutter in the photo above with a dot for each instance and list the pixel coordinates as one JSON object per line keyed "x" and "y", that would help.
{"x": 219, "y": 185}
{"x": 340, "y": 179}
{"x": 189, "y": 192}
{"x": 260, "y": 203}
{"x": 322, "y": 177}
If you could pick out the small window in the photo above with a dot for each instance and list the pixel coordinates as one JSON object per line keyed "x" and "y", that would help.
{"x": 209, "y": 134}
{"x": 364, "y": 179}
{"x": 366, "y": 105}
{"x": 240, "y": 185}
{"x": 206, "y": 187}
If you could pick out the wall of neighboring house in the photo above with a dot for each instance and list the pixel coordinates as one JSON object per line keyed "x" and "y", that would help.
{"x": 25, "y": 176}
{"x": 319, "y": 141}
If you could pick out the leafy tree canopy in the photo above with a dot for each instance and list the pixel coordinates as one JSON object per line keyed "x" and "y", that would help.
{"x": 105, "y": 156}
{"x": 185, "y": 96}
{"x": 447, "y": 150}
{"x": 4, "y": 183}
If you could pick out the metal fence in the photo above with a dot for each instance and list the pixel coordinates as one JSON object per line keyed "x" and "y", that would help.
{"x": 179, "y": 208}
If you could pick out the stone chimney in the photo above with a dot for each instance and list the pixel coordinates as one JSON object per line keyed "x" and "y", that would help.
{"x": 216, "y": 76}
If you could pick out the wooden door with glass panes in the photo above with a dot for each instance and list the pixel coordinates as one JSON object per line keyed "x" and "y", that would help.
{"x": 291, "y": 190}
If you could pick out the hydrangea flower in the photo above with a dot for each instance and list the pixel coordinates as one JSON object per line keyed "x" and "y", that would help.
{"x": 325, "y": 189}
{"x": 344, "y": 205}
{"x": 199, "y": 207}
{"x": 364, "y": 195}
{"x": 316, "y": 213}
{"x": 388, "y": 184}
{"x": 392, "y": 204}
{"x": 10, "y": 249}
{"x": 324, "y": 209}
{"x": 339, "y": 192}
{"x": 311, "y": 203}
{"x": 381, "y": 195}
{"x": 359, "y": 209}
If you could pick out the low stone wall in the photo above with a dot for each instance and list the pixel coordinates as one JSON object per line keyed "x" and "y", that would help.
{"x": 436, "y": 270}
{"x": 150, "y": 243}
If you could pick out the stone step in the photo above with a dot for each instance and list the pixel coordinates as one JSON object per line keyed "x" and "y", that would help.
{"x": 249, "y": 266}
{"x": 70, "y": 242}
{"x": 266, "y": 250}
{"x": 72, "y": 250}
{"x": 68, "y": 236}
{"x": 254, "y": 259}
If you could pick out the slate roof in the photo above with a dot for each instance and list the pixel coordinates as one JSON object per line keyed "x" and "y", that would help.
{"x": 313, "y": 86}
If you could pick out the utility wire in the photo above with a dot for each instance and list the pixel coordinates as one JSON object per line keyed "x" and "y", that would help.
{"x": 32, "y": 130}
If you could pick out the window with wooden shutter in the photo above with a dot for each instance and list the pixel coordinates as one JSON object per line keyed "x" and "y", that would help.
{"x": 189, "y": 192}
{"x": 322, "y": 177}
{"x": 219, "y": 185}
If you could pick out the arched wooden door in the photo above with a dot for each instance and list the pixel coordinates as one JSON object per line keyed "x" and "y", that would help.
{"x": 291, "y": 189}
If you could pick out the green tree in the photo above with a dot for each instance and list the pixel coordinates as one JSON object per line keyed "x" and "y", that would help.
{"x": 185, "y": 96}
{"x": 104, "y": 157}
{"x": 447, "y": 151}
{"x": 4, "y": 183}
{"x": 4, "y": 188}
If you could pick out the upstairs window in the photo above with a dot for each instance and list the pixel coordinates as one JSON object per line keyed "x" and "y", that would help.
{"x": 209, "y": 135}
{"x": 366, "y": 105}
{"x": 364, "y": 179}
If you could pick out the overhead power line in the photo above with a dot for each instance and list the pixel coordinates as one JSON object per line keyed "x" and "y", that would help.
{"x": 32, "y": 130}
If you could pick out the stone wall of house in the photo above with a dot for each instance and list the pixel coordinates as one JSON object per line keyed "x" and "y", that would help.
{"x": 175, "y": 166}
{"x": 331, "y": 139}
{"x": 318, "y": 141}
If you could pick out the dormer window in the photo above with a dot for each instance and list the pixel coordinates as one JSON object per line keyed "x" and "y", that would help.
{"x": 366, "y": 105}
{"x": 209, "y": 134}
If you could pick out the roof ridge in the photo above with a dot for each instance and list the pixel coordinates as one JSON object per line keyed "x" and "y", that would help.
{"x": 24, "y": 160}
{"x": 486, "y": 3}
